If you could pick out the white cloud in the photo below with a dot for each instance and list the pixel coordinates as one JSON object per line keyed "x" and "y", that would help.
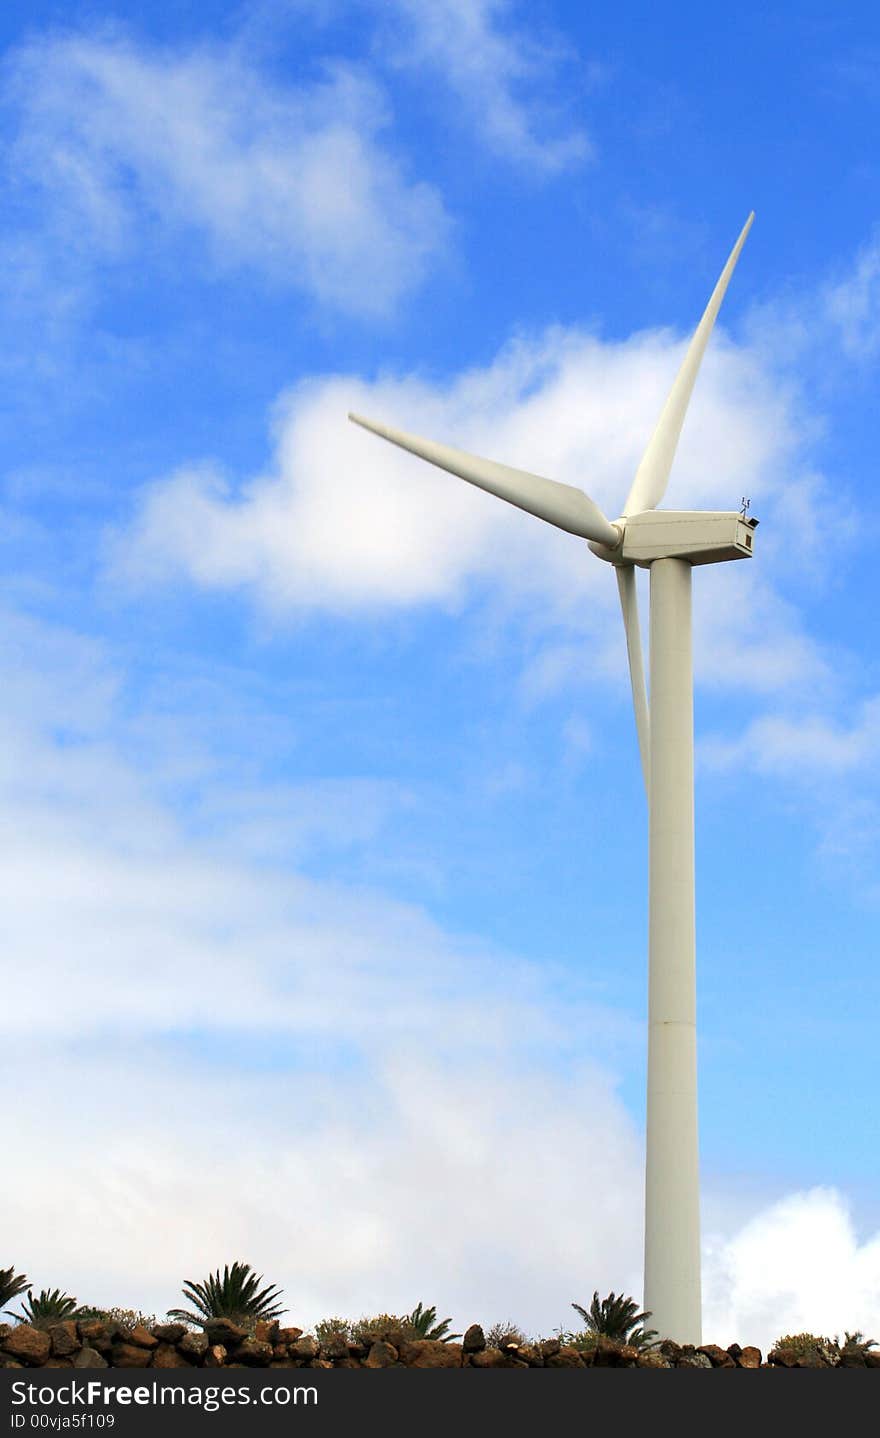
{"x": 797, "y": 1266}
{"x": 497, "y": 73}
{"x": 254, "y": 1064}
{"x": 837, "y": 317}
{"x": 852, "y": 304}
{"x": 128, "y": 142}
{"x": 313, "y": 1078}
{"x": 344, "y": 523}
{"x": 807, "y": 747}
{"x": 365, "y": 1191}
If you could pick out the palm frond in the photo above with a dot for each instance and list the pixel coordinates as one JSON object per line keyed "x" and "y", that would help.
{"x": 11, "y": 1285}
{"x": 616, "y": 1317}
{"x": 49, "y": 1306}
{"x": 235, "y": 1294}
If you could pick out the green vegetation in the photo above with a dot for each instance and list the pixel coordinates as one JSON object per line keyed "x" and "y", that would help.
{"x": 49, "y": 1306}
{"x": 129, "y": 1317}
{"x": 359, "y": 1330}
{"x": 614, "y": 1317}
{"x": 11, "y": 1285}
{"x": 236, "y": 1295}
{"x": 827, "y": 1350}
{"x": 800, "y": 1344}
{"x": 855, "y": 1343}
{"x": 421, "y": 1323}
{"x": 501, "y": 1333}
{"x": 424, "y": 1322}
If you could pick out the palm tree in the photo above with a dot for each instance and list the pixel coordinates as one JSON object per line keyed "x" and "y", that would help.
{"x": 50, "y": 1306}
{"x": 237, "y": 1296}
{"x": 11, "y": 1285}
{"x": 618, "y": 1318}
{"x": 424, "y": 1322}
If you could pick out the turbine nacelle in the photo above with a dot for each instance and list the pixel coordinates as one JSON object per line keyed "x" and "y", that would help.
{"x": 699, "y": 536}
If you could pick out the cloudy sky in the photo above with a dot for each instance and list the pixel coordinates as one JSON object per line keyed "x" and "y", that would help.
{"x": 324, "y": 860}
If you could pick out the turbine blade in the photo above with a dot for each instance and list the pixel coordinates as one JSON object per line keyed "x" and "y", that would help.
{"x": 652, "y": 475}
{"x": 629, "y": 606}
{"x": 560, "y": 504}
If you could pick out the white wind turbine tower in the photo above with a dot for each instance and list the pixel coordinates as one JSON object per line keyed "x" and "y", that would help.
{"x": 668, "y": 543}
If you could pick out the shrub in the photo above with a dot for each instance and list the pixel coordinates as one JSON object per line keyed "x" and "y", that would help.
{"x": 330, "y": 1327}
{"x": 129, "y": 1317}
{"x": 363, "y": 1328}
{"x": 501, "y": 1333}
{"x": 808, "y": 1345}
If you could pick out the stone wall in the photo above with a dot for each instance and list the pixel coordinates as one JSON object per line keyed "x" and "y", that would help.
{"x": 95, "y": 1344}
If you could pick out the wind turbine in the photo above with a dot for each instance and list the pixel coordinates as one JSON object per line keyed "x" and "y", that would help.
{"x": 669, "y": 543}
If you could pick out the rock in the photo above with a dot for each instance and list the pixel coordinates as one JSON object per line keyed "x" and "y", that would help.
{"x": 627, "y": 1356}
{"x": 352, "y": 1363}
{"x": 305, "y": 1347}
{"x": 255, "y": 1352}
{"x": 215, "y": 1356}
{"x": 381, "y": 1355}
{"x": 718, "y": 1357}
{"x": 872, "y": 1359}
{"x": 193, "y": 1346}
{"x": 488, "y": 1358}
{"x": 550, "y": 1346}
{"x": 130, "y": 1355}
{"x": 58, "y": 1363}
{"x": 288, "y": 1335}
{"x": 29, "y": 1344}
{"x": 653, "y": 1358}
{"x": 606, "y": 1353}
{"x": 320, "y": 1363}
{"x": 853, "y": 1359}
{"x": 64, "y": 1338}
{"x": 283, "y": 1362}
{"x": 7, "y": 1361}
{"x": 430, "y": 1353}
{"x": 89, "y": 1358}
{"x": 266, "y": 1330}
{"x": 532, "y": 1355}
{"x": 749, "y": 1358}
{"x": 223, "y": 1330}
{"x": 167, "y": 1356}
{"x": 734, "y": 1350}
{"x": 5, "y": 1330}
{"x": 671, "y": 1350}
{"x": 141, "y": 1337}
{"x": 169, "y": 1332}
{"x": 474, "y": 1340}
{"x": 567, "y": 1357}
{"x": 95, "y": 1333}
{"x": 694, "y": 1360}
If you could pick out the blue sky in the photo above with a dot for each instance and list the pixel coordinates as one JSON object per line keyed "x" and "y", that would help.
{"x": 324, "y": 843}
